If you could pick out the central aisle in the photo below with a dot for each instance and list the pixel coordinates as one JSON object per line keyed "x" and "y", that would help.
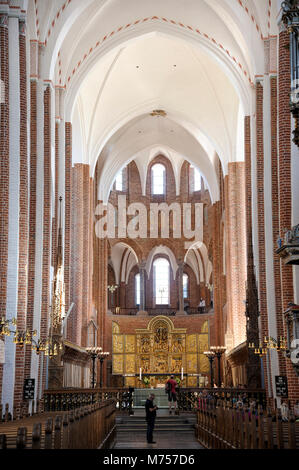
{"x": 171, "y": 432}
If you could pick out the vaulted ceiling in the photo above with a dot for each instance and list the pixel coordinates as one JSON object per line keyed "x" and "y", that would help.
{"x": 118, "y": 61}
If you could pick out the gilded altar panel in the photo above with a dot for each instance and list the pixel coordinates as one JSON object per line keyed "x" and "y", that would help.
{"x": 130, "y": 343}
{"x": 191, "y": 343}
{"x": 178, "y": 343}
{"x": 143, "y": 344}
{"x": 130, "y": 382}
{"x": 192, "y": 382}
{"x": 176, "y": 363}
{"x": 192, "y": 363}
{"x": 145, "y": 364}
{"x": 118, "y": 364}
{"x": 130, "y": 366}
{"x": 204, "y": 365}
{"x": 160, "y": 363}
{"x": 203, "y": 343}
{"x": 118, "y": 344}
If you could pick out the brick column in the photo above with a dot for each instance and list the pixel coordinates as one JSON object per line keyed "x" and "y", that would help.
{"x": 47, "y": 219}
{"x": 236, "y": 255}
{"x": 261, "y": 229}
{"x": 32, "y": 201}
{"x": 86, "y": 255}
{"x": 14, "y": 208}
{"x": 275, "y": 217}
{"x": 67, "y": 222}
{"x": 4, "y": 164}
{"x": 23, "y": 221}
{"x": 74, "y": 327}
{"x": 180, "y": 273}
{"x": 142, "y": 286}
{"x": 253, "y": 369}
{"x": 102, "y": 278}
{"x": 221, "y": 336}
{"x": 36, "y": 362}
{"x": 285, "y": 193}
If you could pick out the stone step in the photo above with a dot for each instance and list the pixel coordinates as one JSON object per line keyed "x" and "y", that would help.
{"x": 158, "y": 423}
{"x": 125, "y": 431}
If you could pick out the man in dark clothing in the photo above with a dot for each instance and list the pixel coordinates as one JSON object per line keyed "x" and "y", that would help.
{"x": 150, "y": 410}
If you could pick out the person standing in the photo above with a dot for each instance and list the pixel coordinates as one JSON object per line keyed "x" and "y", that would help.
{"x": 150, "y": 410}
{"x": 171, "y": 391}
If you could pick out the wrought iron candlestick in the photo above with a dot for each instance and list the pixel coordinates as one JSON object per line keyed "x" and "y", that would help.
{"x": 93, "y": 353}
{"x": 219, "y": 351}
{"x": 102, "y": 356}
{"x": 211, "y": 356}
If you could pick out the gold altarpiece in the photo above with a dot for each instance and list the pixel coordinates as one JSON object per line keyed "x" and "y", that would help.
{"x": 160, "y": 349}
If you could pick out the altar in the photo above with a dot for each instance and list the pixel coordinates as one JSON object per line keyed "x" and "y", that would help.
{"x": 147, "y": 358}
{"x": 141, "y": 395}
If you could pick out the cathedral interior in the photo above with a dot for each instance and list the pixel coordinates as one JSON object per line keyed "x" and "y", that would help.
{"x": 149, "y": 202}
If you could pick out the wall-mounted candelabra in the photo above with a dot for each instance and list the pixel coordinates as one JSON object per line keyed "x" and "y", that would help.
{"x": 269, "y": 343}
{"x": 49, "y": 346}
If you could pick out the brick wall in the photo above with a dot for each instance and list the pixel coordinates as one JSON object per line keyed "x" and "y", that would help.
{"x": 23, "y": 226}
{"x": 285, "y": 195}
{"x": 46, "y": 259}
{"x": 32, "y": 218}
{"x": 236, "y": 262}
{"x": 67, "y": 233}
{"x": 275, "y": 216}
{"x": 4, "y": 174}
{"x": 261, "y": 222}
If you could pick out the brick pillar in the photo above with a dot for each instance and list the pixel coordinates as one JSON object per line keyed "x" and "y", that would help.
{"x": 102, "y": 279}
{"x": 32, "y": 207}
{"x": 275, "y": 217}
{"x": 23, "y": 222}
{"x": 46, "y": 259}
{"x": 236, "y": 255}
{"x": 4, "y": 165}
{"x": 67, "y": 222}
{"x": 74, "y": 327}
{"x": 261, "y": 227}
{"x": 180, "y": 273}
{"x": 142, "y": 286}
{"x": 285, "y": 194}
{"x": 86, "y": 255}
{"x": 14, "y": 209}
{"x": 253, "y": 369}
{"x": 217, "y": 302}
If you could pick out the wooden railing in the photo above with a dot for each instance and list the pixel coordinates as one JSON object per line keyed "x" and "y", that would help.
{"x": 88, "y": 427}
{"x": 70, "y": 399}
{"x": 224, "y": 427}
{"x": 189, "y": 398}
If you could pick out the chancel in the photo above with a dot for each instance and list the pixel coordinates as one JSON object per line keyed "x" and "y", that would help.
{"x": 149, "y": 224}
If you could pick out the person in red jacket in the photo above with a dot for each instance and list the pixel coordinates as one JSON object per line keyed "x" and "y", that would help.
{"x": 171, "y": 391}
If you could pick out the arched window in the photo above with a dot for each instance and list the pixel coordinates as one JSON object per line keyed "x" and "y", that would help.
{"x": 158, "y": 179}
{"x": 196, "y": 179}
{"x": 161, "y": 281}
{"x": 185, "y": 285}
{"x": 137, "y": 289}
{"x": 119, "y": 181}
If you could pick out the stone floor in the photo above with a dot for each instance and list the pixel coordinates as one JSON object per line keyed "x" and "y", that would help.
{"x": 171, "y": 439}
